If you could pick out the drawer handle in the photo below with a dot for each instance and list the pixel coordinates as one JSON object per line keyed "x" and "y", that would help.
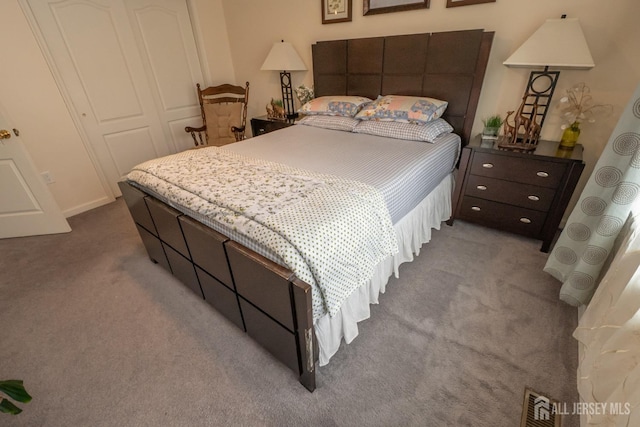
{"x": 487, "y": 165}
{"x": 542, "y": 174}
{"x": 475, "y": 208}
{"x": 525, "y": 220}
{"x": 533, "y": 198}
{"x": 481, "y": 187}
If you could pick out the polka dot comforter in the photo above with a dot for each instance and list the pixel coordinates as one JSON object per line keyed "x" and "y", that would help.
{"x": 330, "y": 231}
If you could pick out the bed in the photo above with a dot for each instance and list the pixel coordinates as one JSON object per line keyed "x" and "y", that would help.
{"x": 298, "y": 272}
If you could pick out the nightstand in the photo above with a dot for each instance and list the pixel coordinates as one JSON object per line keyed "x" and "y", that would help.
{"x": 523, "y": 193}
{"x": 263, "y": 124}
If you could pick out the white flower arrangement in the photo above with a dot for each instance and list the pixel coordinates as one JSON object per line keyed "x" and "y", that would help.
{"x": 577, "y": 106}
{"x": 304, "y": 94}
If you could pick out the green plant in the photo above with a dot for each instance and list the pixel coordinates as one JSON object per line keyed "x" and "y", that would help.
{"x": 15, "y": 390}
{"x": 494, "y": 121}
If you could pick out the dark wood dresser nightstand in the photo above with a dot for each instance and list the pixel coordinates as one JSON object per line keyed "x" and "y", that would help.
{"x": 263, "y": 124}
{"x": 523, "y": 193}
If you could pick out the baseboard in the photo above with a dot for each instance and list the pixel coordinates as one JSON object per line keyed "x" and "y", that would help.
{"x": 87, "y": 206}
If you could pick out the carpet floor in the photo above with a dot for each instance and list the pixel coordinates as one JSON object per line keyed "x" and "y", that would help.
{"x": 103, "y": 337}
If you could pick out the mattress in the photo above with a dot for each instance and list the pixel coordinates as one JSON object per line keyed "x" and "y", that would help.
{"x": 403, "y": 171}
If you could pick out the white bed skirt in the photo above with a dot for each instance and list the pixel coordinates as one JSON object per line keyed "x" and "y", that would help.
{"x": 413, "y": 230}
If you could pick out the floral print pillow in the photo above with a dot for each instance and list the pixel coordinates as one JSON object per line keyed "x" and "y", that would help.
{"x": 347, "y": 106}
{"x": 404, "y": 109}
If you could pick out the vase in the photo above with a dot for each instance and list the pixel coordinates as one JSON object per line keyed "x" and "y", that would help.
{"x": 570, "y": 136}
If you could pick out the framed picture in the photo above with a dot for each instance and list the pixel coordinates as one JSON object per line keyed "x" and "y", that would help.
{"x": 454, "y": 3}
{"x": 334, "y": 11}
{"x": 373, "y": 7}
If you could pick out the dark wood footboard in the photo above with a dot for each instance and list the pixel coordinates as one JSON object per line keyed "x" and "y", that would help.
{"x": 259, "y": 296}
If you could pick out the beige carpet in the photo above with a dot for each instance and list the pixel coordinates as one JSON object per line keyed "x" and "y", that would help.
{"x": 102, "y": 337}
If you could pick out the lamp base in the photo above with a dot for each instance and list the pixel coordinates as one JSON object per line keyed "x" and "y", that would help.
{"x": 538, "y": 94}
{"x": 287, "y": 95}
{"x": 522, "y": 127}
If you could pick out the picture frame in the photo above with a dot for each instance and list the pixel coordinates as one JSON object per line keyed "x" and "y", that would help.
{"x": 334, "y": 11}
{"x": 374, "y": 7}
{"x": 455, "y": 3}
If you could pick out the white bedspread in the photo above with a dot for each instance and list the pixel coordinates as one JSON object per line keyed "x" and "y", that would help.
{"x": 330, "y": 231}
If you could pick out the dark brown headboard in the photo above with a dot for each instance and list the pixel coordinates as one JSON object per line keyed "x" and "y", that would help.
{"x": 448, "y": 66}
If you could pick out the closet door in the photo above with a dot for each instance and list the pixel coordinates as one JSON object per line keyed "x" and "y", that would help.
{"x": 165, "y": 40}
{"x": 111, "y": 59}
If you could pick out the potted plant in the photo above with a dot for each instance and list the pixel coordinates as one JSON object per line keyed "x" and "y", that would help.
{"x": 491, "y": 126}
{"x": 15, "y": 390}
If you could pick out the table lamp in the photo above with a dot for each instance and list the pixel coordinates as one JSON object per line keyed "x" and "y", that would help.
{"x": 558, "y": 43}
{"x": 284, "y": 58}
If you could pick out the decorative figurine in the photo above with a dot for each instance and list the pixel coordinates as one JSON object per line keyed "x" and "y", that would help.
{"x": 275, "y": 110}
{"x": 523, "y": 134}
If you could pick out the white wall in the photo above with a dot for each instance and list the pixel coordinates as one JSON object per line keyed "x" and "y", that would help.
{"x": 207, "y": 17}
{"x": 610, "y": 28}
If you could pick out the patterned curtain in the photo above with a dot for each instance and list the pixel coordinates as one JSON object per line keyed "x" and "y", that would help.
{"x": 588, "y": 240}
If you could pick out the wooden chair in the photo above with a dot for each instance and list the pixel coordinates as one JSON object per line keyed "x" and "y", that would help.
{"x": 224, "y": 115}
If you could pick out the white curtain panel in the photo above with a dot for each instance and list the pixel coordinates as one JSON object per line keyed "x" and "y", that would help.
{"x": 587, "y": 241}
{"x": 609, "y": 336}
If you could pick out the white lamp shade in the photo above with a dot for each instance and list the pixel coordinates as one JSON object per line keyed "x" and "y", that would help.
{"x": 558, "y": 43}
{"x": 283, "y": 57}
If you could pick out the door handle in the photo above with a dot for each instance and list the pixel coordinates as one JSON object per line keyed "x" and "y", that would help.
{"x": 5, "y": 134}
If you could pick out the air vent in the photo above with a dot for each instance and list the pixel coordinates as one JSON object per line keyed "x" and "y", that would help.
{"x": 538, "y": 410}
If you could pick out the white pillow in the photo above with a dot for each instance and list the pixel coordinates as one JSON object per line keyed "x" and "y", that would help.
{"x": 427, "y": 132}
{"x": 330, "y": 122}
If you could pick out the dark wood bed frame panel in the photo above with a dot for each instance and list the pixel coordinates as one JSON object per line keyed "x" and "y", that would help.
{"x": 259, "y": 296}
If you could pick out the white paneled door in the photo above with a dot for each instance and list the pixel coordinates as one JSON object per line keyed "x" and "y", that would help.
{"x": 27, "y": 207}
{"x": 128, "y": 69}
